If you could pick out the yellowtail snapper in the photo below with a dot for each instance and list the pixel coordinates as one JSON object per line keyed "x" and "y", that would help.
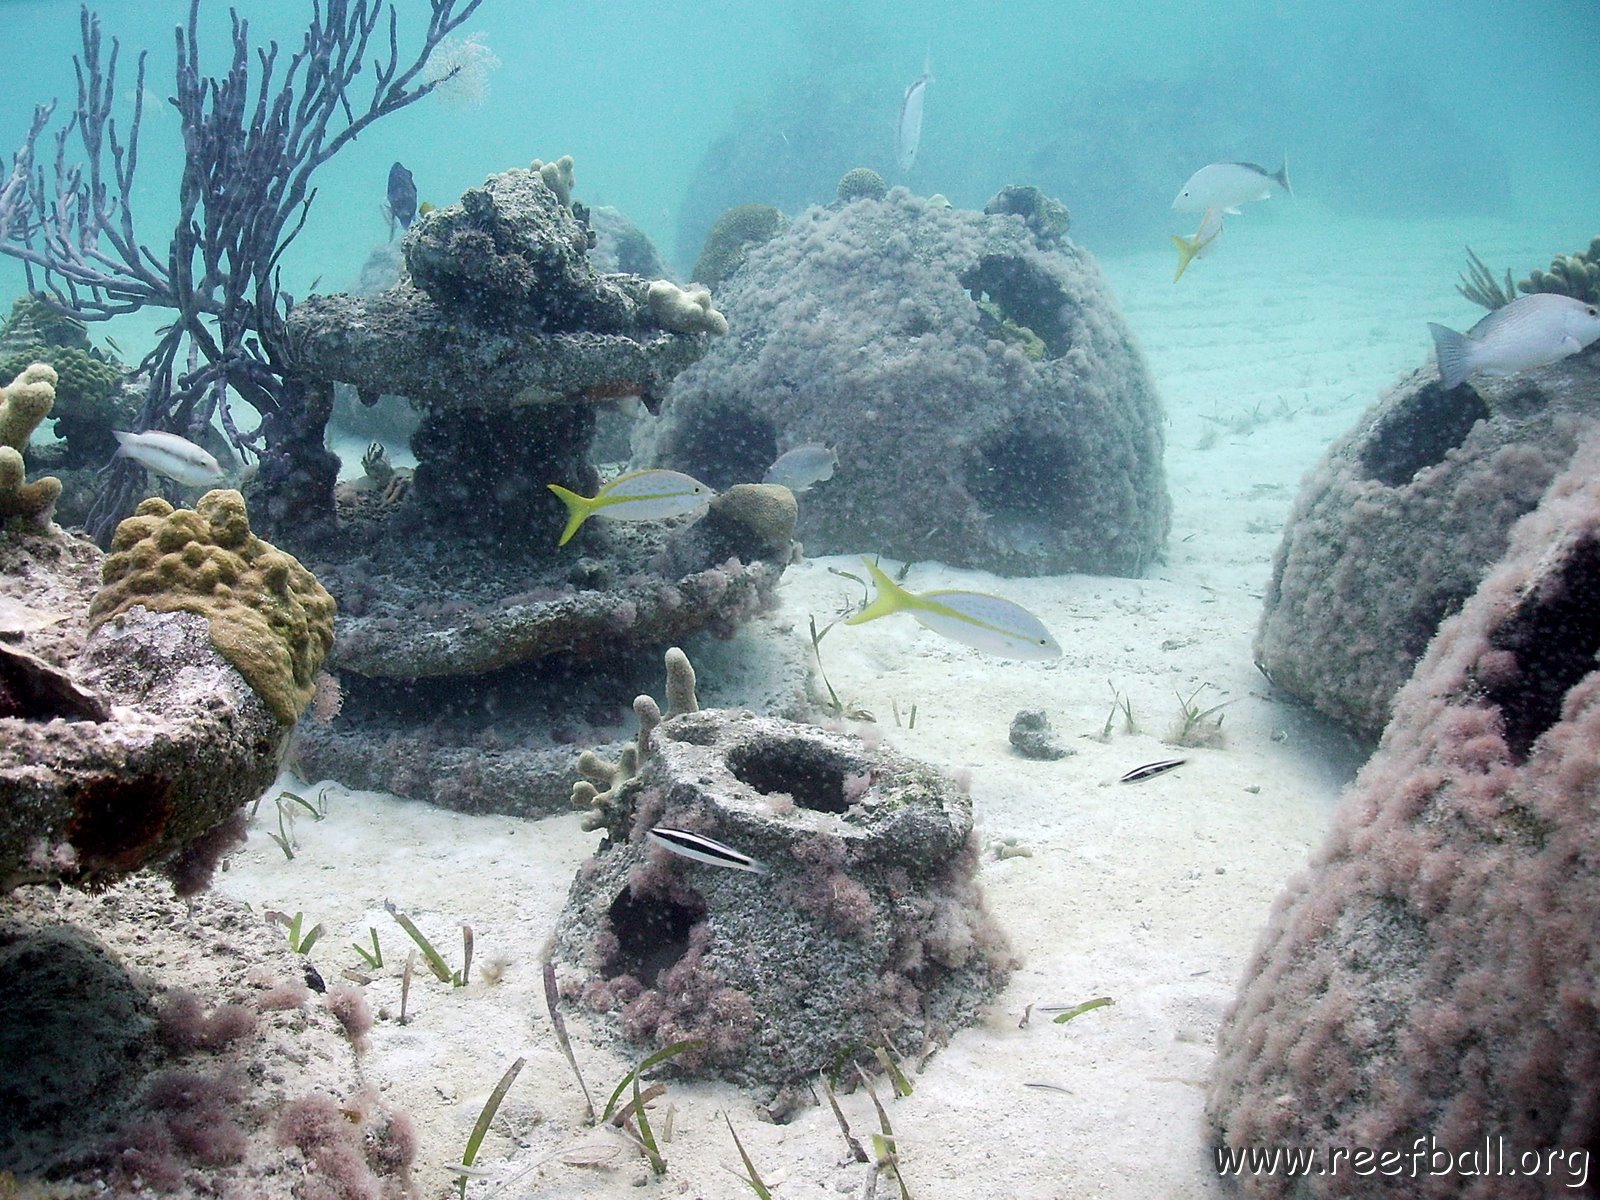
{"x": 1200, "y": 244}
{"x": 992, "y": 624}
{"x": 637, "y": 496}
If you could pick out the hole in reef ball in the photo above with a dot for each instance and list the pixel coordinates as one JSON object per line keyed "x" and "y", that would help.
{"x": 652, "y": 934}
{"x": 813, "y": 774}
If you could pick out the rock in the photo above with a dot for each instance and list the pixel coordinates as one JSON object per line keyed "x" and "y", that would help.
{"x": 1032, "y": 737}
{"x": 1398, "y": 524}
{"x": 131, "y": 741}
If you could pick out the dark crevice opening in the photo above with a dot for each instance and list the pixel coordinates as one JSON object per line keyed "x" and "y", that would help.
{"x": 652, "y": 933}
{"x": 1554, "y": 634}
{"x": 812, "y": 774}
{"x": 722, "y": 445}
{"x": 1027, "y": 485}
{"x": 1030, "y": 299}
{"x": 1419, "y": 431}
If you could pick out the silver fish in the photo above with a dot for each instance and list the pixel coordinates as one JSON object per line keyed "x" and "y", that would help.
{"x": 703, "y": 849}
{"x": 1226, "y": 185}
{"x": 910, "y": 130}
{"x": 1151, "y": 770}
{"x": 803, "y": 466}
{"x": 1531, "y": 331}
{"x": 167, "y": 454}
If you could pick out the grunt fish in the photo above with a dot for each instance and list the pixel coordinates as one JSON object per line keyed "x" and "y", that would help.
{"x": 1229, "y": 184}
{"x": 167, "y": 454}
{"x": 992, "y": 624}
{"x": 636, "y": 496}
{"x": 910, "y": 130}
{"x": 803, "y": 466}
{"x": 703, "y": 849}
{"x": 1531, "y": 331}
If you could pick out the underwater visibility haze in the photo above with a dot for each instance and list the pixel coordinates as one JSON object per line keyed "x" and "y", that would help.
{"x": 799, "y": 599}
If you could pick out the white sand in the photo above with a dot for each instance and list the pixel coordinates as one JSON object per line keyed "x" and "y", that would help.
{"x": 1150, "y": 894}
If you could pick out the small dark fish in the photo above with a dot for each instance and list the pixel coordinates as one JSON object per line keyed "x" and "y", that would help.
{"x": 1151, "y": 770}
{"x": 402, "y": 195}
{"x": 703, "y": 849}
{"x": 314, "y": 979}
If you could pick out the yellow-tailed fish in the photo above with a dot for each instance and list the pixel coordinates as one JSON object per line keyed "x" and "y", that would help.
{"x": 992, "y": 624}
{"x": 1200, "y": 244}
{"x": 637, "y": 496}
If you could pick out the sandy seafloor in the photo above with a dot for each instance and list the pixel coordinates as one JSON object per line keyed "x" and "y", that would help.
{"x": 1151, "y": 894}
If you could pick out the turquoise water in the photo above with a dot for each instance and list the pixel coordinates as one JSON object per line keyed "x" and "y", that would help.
{"x": 675, "y": 112}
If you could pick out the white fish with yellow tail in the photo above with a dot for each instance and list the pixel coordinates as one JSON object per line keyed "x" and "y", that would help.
{"x": 1531, "y": 331}
{"x": 167, "y": 454}
{"x": 702, "y": 849}
{"x": 800, "y": 468}
{"x": 909, "y": 136}
{"x": 992, "y": 624}
{"x": 637, "y": 496}
{"x": 1200, "y": 244}
{"x": 1227, "y": 185}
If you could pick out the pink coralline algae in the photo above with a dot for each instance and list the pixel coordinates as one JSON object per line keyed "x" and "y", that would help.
{"x": 1433, "y": 975}
{"x": 1401, "y": 520}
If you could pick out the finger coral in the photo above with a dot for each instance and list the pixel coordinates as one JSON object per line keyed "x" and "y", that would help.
{"x": 22, "y": 406}
{"x": 269, "y": 616}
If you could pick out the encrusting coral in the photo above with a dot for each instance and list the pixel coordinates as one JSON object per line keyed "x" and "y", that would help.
{"x": 269, "y": 616}
{"x": 23, "y": 404}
